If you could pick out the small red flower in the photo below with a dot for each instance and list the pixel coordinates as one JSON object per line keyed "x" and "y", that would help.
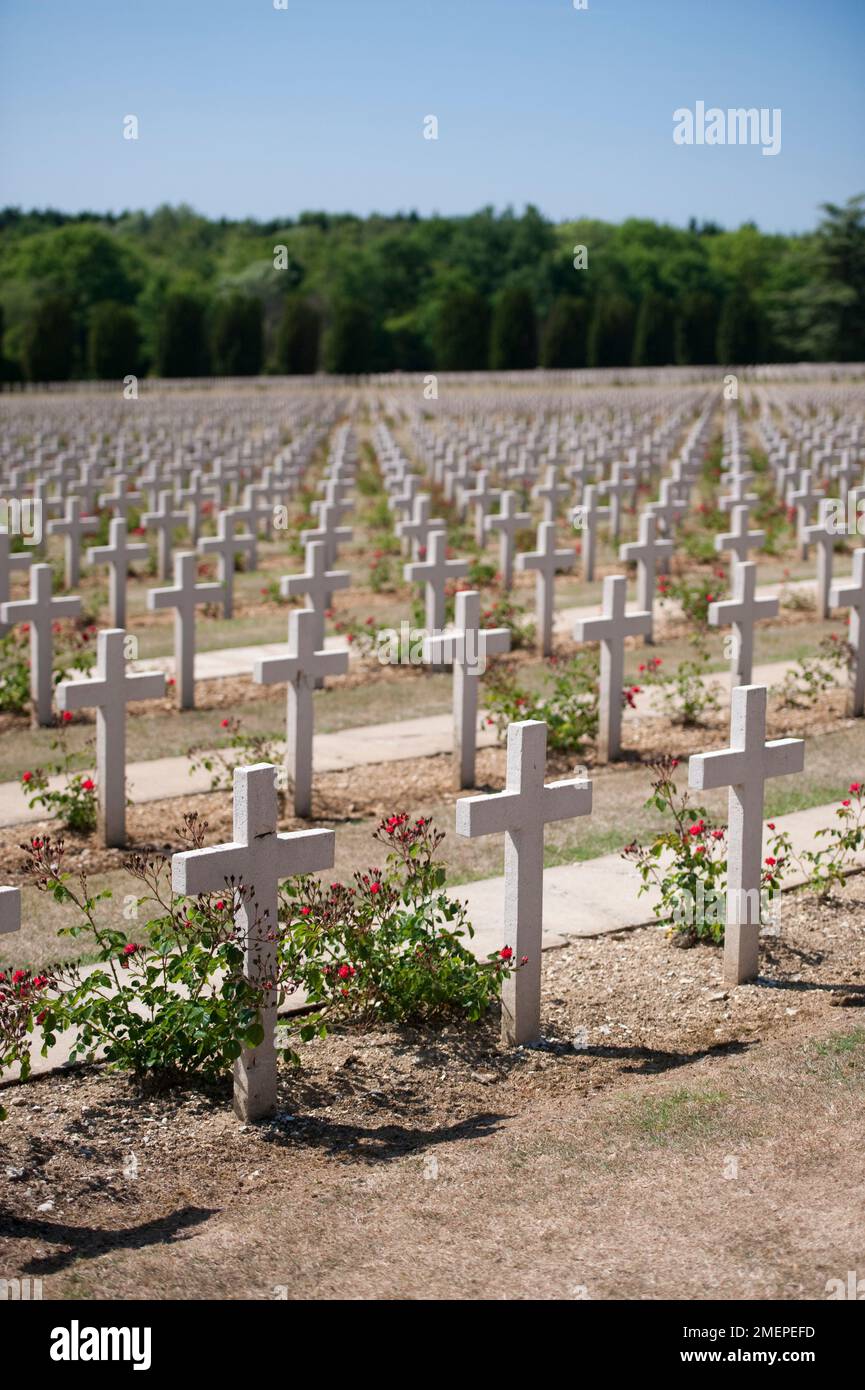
{"x": 855, "y": 786}
{"x": 506, "y": 953}
{"x": 771, "y": 824}
{"x": 225, "y": 723}
{"x": 220, "y": 906}
{"x": 343, "y": 972}
{"x": 304, "y": 912}
{"x": 770, "y": 861}
{"x": 67, "y": 716}
{"x": 375, "y": 887}
{"x": 26, "y": 776}
{"x": 88, "y": 784}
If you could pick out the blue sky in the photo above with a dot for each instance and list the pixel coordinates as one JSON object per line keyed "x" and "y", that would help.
{"x": 249, "y": 110}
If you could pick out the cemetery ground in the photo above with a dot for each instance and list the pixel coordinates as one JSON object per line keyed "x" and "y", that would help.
{"x": 670, "y": 1136}
{"x": 708, "y": 1144}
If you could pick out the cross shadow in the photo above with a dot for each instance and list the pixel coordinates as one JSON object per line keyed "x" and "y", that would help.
{"x": 803, "y": 985}
{"x": 648, "y": 1060}
{"x": 375, "y": 1144}
{"x": 87, "y": 1242}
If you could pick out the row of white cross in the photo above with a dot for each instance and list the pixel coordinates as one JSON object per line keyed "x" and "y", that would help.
{"x": 259, "y": 857}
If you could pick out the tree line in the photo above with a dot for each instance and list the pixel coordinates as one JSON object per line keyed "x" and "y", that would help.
{"x": 174, "y": 294}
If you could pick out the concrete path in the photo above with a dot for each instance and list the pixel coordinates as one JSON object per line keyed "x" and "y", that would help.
{"x": 592, "y": 898}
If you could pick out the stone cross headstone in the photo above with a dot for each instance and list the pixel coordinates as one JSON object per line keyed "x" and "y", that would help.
{"x": 743, "y": 610}
{"x": 852, "y": 596}
{"x": 72, "y": 528}
{"x": 480, "y": 498}
{"x": 117, "y": 555}
{"x": 434, "y": 573}
{"x": 466, "y": 647}
{"x": 258, "y": 857}
{"x": 803, "y": 498}
{"x": 301, "y": 668}
{"x": 10, "y": 910}
{"x": 745, "y": 767}
{"x": 586, "y": 518}
{"x": 163, "y": 520}
{"x": 41, "y": 611}
{"x": 109, "y": 692}
{"x": 551, "y": 492}
{"x": 328, "y": 530}
{"x": 226, "y": 544}
{"x": 9, "y": 562}
{"x": 520, "y": 813}
{"x": 417, "y": 531}
{"x": 184, "y": 596}
{"x": 507, "y": 522}
{"x": 121, "y": 499}
{"x": 647, "y": 552}
{"x": 823, "y": 535}
{"x": 739, "y": 541}
{"x": 611, "y": 629}
{"x": 546, "y": 561}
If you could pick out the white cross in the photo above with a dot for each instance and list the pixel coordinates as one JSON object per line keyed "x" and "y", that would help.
{"x": 257, "y": 857}
{"x": 226, "y": 545}
{"x": 586, "y": 517}
{"x": 803, "y": 498}
{"x": 303, "y": 667}
{"x": 480, "y": 498}
{"x": 328, "y": 530}
{"x": 109, "y": 692}
{"x": 434, "y": 572}
{"x": 740, "y": 541}
{"x": 743, "y": 610}
{"x": 738, "y": 497}
{"x": 646, "y": 552}
{"x": 823, "y": 535}
{"x": 196, "y": 496}
{"x": 611, "y": 629}
{"x": 546, "y": 560}
{"x": 8, "y": 563}
{"x": 183, "y": 597}
{"x": 466, "y": 647}
{"x": 164, "y": 521}
{"x": 119, "y": 500}
{"x": 508, "y": 521}
{"x": 117, "y": 555}
{"x": 520, "y": 812}
{"x": 618, "y": 486}
{"x": 317, "y": 583}
{"x": 10, "y": 910}
{"x": 852, "y": 596}
{"x": 669, "y": 509}
{"x": 745, "y": 767}
{"x": 418, "y": 529}
{"x": 72, "y": 528}
{"x": 41, "y": 611}
{"x": 551, "y": 492}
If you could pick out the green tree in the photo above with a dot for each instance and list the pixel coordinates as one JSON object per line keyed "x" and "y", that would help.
{"x": 653, "y": 333}
{"x": 48, "y": 349}
{"x": 740, "y": 335}
{"x": 514, "y": 332}
{"x": 236, "y": 335}
{"x": 298, "y": 337}
{"x": 461, "y": 331}
{"x": 696, "y": 332}
{"x": 349, "y": 341}
{"x": 181, "y": 348}
{"x": 113, "y": 341}
{"x": 564, "y": 337}
{"x": 611, "y": 334}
